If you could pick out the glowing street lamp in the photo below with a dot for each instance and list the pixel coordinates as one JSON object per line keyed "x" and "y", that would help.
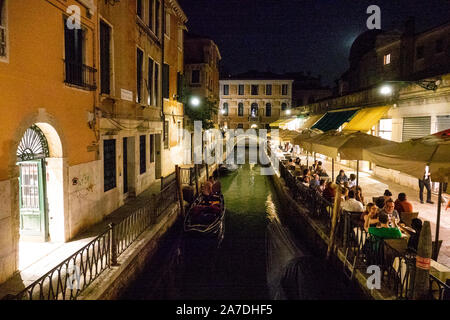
{"x": 288, "y": 112}
{"x": 195, "y": 101}
{"x": 386, "y": 90}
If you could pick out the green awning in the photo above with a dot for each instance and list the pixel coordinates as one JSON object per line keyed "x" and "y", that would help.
{"x": 334, "y": 119}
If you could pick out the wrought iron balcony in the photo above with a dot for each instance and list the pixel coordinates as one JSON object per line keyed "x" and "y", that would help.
{"x": 80, "y": 75}
{"x": 2, "y": 41}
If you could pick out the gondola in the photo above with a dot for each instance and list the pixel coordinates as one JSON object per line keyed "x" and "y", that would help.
{"x": 228, "y": 168}
{"x": 206, "y": 219}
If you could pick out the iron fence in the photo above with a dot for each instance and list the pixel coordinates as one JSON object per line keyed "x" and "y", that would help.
{"x": 162, "y": 201}
{"x": 129, "y": 229}
{"x": 168, "y": 180}
{"x": 68, "y": 279}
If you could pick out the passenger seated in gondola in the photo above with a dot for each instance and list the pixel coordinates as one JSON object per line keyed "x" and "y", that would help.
{"x": 216, "y": 186}
{"x": 206, "y": 190}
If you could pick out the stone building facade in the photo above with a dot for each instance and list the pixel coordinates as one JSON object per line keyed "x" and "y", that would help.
{"x": 73, "y": 95}
{"x": 406, "y": 61}
{"x": 254, "y": 100}
{"x": 202, "y": 59}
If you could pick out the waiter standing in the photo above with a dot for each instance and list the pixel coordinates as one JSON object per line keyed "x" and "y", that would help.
{"x": 425, "y": 182}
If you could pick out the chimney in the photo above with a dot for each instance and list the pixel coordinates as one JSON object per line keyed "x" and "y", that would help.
{"x": 410, "y": 26}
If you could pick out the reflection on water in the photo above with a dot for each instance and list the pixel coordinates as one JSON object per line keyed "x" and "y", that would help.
{"x": 258, "y": 259}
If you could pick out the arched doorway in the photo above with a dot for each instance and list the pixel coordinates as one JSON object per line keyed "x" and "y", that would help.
{"x": 39, "y": 157}
{"x": 31, "y": 154}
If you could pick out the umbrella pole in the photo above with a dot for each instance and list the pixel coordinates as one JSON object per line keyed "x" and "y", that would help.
{"x": 438, "y": 224}
{"x": 357, "y": 172}
{"x": 307, "y": 159}
{"x": 332, "y": 169}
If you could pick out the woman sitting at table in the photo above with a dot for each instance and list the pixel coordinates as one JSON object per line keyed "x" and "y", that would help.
{"x": 358, "y": 194}
{"x": 329, "y": 192}
{"x": 383, "y": 231}
{"x": 298, "y": 161}
{"x": 370, "y": 216}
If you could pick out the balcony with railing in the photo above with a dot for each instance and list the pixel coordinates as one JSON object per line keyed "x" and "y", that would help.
{"x": 2, "y": 41}
{"x": 80, "y": 75}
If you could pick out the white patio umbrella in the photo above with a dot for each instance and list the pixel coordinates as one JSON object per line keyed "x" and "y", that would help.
{"x": 413, "y": 156}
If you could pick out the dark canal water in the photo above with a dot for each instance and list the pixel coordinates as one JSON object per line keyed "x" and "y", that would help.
{"x": 259, "y": 257}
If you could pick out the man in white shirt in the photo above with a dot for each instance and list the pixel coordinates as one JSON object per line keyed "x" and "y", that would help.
{"x": 352, "y": 205}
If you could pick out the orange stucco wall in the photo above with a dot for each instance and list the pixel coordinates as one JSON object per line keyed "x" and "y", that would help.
{"x": 33, "y": 78}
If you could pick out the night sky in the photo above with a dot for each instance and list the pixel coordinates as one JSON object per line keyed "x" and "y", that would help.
{"x": 298, "y": 35}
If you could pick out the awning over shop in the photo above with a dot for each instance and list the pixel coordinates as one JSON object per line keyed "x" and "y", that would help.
{"x": 280, "y": 122}
{"x": 309, "y": 122}
{"x": 366, "y": 118}
{"x": 334, "y": 119}
{"x": 283, "y": 122}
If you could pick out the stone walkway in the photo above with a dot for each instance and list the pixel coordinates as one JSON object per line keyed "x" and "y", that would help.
{"x": 38, "y": 258}
{"x": 373, "y": 186}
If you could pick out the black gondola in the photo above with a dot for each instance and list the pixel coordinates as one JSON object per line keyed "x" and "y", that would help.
{"x": 206, "y": 218}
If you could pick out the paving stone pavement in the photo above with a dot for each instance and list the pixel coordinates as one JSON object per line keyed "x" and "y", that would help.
{"x": 38, "y": 258}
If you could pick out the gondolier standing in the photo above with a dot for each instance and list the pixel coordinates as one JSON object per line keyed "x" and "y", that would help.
{"x": 425, "y": 182}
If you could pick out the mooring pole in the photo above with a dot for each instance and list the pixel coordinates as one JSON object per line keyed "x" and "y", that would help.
{"x": 196, "y": 177}
{"x": 334, "y": 219}
{"x": 179, "y": 189}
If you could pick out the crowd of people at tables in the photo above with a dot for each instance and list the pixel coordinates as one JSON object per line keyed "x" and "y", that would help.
{"x": 383, "y": 218}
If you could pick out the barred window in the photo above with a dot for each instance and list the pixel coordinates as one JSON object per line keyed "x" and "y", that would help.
{"x": 166, "y": 135}
{"x": 109, "y": 164}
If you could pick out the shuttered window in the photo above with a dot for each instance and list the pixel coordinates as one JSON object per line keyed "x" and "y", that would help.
{"x": 442, "y": 123}
{"x": 139, "y": 5}
{"x": 166, "y": 79}
{"x": 268, "y": 110}
{"x": 142, "y": 154}
{"x": 105, "y": 57}
{"x": 139, "y": 62}
{"x": 157, "y": 17}
{"x": 74, "y": 50}
{"x": 157, "y": 94}
{"x": 416, "y": 127}
{"x": 150, "y": 81}
{"x": 109, "y": 164}
{"x": 179, "y": 87}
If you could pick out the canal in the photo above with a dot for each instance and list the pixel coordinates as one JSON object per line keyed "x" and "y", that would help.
{"x": 259, "y": 257}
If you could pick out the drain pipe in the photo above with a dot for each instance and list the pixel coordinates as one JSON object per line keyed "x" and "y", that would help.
{"x": 163, "y": 25}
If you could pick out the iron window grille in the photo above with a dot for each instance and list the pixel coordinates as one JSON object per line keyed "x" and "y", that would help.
{"x": 109, "y": 164}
